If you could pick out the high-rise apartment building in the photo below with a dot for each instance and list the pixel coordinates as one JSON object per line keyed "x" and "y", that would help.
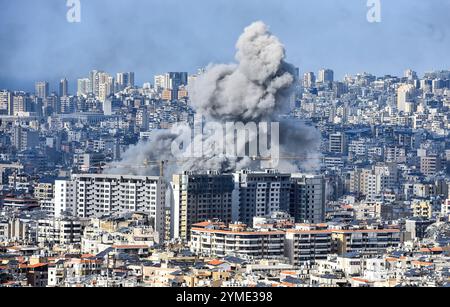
{"x": 244, "y": 195}
{"x": 337, "y": 143}
{"x": 125, "y": 79}
{"x": 261, "y": 194}
{"x": 19, "y": 102}
{"x": 24, "y": 138}
{"x": 106, "y": 88}
{"x": 5, "y": 100}
{"x": 67, "y": 105}
{"x": 176, "y": 79}
{"x": 42, "y": 89}
{"x": 84, "y": 87}
{"x": 44, "y": 194}
{"x": 307, "y": 203}
{"x": 171, "y": 81}
{"x": 101, "y": 81}
{"x": 410, "y": 75}
{"x": 159, "y": 81}
{"x": 406, "y": 98}
{"x": 430, "y": 165}
{"x": 198, "y": 198}
{"x": 309, "y": 80}
{"x": 326, "y": 76}
{"x": 96, "y": 195}
{"x": 374, "y": 181}
{"x": 63, "y": 88}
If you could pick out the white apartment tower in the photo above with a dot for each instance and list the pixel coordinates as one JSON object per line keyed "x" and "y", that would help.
{"x": 84, "y": 87}
{"x": 95, "y": 195}
{"x": 65, "y": 197}
{"x": 406, "y": 98}
{"x": 326, "y": 76}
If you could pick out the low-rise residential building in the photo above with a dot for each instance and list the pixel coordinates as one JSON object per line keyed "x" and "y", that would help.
{"x": 215, "y": 240}
{"x": 307, "y": 244}
{"x": 366, "y": 241}
{"x": 59, "y": 231}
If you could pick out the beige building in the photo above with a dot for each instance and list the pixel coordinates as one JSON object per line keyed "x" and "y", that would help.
{"x": 422, "y": 208}
{"x": 406, "y": 98}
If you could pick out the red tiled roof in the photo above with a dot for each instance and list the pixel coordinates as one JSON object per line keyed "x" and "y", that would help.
{"x": 437, "y": 249}
{"x": 288, "y": 273}
{"x": 216, "y": 262}
{"x": 202, "y": 224}
{"x": 87, "y": 256}
{"x": 37, "y": 265}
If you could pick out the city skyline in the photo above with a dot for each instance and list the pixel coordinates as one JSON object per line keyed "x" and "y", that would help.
{"x": 107, "y": 181}
{"x": 54, "y": 86}
{"x": 411, "y": 34}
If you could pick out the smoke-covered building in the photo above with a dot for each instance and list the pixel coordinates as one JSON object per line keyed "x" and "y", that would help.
{"x": 198, "y": 198}
{"x": 242, "y": 196}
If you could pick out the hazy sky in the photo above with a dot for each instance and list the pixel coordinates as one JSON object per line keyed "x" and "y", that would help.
{"x": 154, "y": 36}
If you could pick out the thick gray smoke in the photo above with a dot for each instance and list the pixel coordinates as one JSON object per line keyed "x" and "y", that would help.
{"x": 143, "y": 159}
{"x": 259, "y": 88}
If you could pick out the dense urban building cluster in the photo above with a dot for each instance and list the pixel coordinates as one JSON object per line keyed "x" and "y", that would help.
{"x": 374, "y": 212}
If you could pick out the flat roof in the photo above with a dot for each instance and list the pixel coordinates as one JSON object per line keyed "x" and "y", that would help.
{"x": 244, "y": 233}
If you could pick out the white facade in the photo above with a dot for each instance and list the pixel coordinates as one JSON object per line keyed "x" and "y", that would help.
{"x": 239, "y": 242}
{"x": 59, "y": 231}
{"x": 65, "y": 192}
{"x": 96, "y": 195}
{"x": 405, "y": 98}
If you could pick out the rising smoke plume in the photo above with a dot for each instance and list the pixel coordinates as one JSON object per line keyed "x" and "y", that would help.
{"x": 259, "y": 87}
